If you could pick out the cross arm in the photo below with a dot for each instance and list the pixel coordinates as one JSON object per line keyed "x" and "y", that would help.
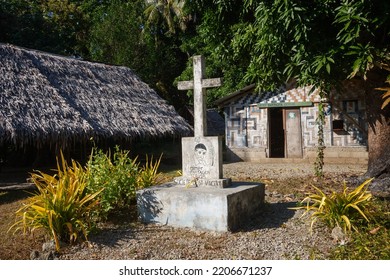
{"x": 185, "y": 85}
{"x": 206, "y": 83}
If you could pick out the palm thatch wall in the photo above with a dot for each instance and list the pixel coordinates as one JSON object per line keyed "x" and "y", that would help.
{"x": 47, "y": 98}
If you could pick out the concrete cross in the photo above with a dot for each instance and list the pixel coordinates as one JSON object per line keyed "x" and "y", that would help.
{"x": 199, "y": 85}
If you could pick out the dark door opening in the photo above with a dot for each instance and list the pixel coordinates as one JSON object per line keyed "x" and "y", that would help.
{"x": 276, "y": 133}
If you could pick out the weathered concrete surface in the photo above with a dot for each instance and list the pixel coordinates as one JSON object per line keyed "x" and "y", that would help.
{"x": 211, "y": 209}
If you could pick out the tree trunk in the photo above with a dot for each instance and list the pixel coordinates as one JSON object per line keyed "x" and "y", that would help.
{"x": 378, "y": 135}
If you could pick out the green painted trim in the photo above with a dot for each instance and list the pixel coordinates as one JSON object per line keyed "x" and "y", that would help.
{"x": 285, "y": 104}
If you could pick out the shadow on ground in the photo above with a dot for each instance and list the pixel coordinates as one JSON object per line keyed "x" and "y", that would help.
{"x": 271, "y": 215}
{"x": 12, "y": 196}
{"x": 121, "y": 225}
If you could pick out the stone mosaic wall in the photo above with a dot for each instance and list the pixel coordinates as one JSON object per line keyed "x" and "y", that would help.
{"x": 310, "y": 129}
{"x": 246, "y": 126}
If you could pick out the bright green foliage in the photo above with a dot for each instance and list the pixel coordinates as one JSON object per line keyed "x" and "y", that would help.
{"x": 344, "y": 209}
{"x": 120, "y": 176}
{"x": 62, "y": 206}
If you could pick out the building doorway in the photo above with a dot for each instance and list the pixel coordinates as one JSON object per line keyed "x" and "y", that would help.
{"x": 285, "y": 133}
{"x": 276, "y": 133}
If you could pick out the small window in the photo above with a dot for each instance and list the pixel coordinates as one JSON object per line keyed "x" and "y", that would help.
{"x": 350, "y": 106}
{"x": 338, "y": 125}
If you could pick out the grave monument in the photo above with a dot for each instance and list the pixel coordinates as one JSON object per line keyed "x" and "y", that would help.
{"x": 200, "y": 198}
{"x": 201, "y": 154}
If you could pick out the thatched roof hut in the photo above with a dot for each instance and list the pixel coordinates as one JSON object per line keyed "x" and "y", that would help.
{"x": 50, "y": 99}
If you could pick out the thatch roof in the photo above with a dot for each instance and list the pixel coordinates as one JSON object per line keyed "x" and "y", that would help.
{"x": 47, "y": 98}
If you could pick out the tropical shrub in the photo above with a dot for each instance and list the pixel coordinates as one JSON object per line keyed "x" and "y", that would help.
{"x": 120, "y": 176}
{"x": 62, "y": 206}
{"x": 345, "y": 209}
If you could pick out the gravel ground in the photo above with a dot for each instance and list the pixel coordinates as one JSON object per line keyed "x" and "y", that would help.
{"x": 286, "y": 171}
{"x": 276, "y": 232}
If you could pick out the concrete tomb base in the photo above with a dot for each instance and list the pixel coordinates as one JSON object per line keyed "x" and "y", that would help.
{"x": 214, "y": 209}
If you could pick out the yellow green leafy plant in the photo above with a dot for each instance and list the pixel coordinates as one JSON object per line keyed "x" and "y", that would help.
{"x": 148, "y": 174}
{"x": 61, "y": 206}
{"x": 344, "y": 209}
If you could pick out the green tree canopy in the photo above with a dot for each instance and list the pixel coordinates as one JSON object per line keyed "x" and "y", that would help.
{"x": 57, "y": 26}
{"x": 314, "y": 41}
{"x": 319, "y": 42}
